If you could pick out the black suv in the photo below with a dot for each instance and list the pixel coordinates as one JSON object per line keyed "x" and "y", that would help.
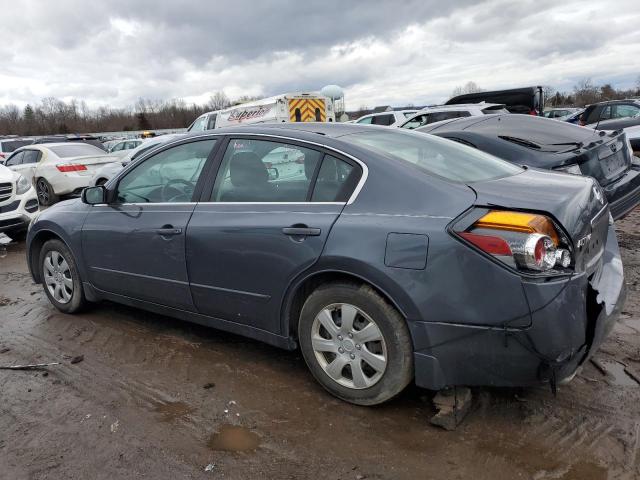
{"x": 617, "y": 113}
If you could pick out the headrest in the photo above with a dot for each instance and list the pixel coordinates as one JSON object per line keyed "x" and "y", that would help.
{"x": 247, "y": 169}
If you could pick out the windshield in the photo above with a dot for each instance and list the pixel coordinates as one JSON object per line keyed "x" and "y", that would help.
{"x": 437, "y": 156}
{"x": 76, "y": 150}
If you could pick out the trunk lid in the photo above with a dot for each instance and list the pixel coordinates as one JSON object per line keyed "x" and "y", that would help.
{"x": 575, "y": 202}
{"x": 606, "y": 157}
{"x": 92, "y": 162}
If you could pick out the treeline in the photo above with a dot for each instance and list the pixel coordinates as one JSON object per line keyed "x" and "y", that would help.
{"x": 586, "y": 92}
{"x": 53, "y": 115}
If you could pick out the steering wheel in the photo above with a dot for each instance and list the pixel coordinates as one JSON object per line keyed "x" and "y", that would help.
{"x": 170, "y": 196}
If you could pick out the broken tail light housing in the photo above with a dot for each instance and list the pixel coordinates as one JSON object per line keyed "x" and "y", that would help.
{"x": 70, "y": 167}
{"x": 527, "y": 242}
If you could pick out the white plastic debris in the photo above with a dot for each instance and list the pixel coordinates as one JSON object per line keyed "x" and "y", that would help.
{"x": 4, "y": 239}
{"x": 210, "y": 467}
{"x": 114, "y": 426}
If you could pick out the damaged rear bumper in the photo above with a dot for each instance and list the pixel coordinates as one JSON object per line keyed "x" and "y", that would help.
{"x": 570, "y": 318}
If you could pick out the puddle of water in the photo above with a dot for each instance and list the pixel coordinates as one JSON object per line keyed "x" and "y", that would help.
{"x": 171, "y": 411}
{"x": 617, "y": 375}
{"x": 233, "y": 438}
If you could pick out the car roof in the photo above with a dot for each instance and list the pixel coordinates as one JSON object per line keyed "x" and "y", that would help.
{"x": 614, "y": 102}
{"x": 300, "y": 130}
{"x": 462, "y": 105}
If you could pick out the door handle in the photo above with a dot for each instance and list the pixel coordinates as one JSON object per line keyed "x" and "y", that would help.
{"x": 168, "y": 231}
{"x": 301, "y": 231}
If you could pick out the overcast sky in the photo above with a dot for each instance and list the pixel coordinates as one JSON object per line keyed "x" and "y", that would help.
{"x": 380, "y": 52}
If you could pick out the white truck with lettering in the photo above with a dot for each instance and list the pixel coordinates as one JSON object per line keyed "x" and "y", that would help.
{"x": 290, "y": 107}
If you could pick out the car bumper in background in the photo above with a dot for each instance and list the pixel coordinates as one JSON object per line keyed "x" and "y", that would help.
{"x": 18, "y": 212}
{"x": 570, "y": 318}
{"x": 624, "y": 194}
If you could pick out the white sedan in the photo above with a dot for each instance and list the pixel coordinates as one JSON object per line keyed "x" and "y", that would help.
{"x": 18, "y": 201}
{"x": 107, "y": 172}
{"x": 58, "y": 169}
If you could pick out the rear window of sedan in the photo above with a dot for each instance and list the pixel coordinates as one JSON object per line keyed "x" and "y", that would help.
{"x": 76, "y": 150}
{"x": 436, "y": 156}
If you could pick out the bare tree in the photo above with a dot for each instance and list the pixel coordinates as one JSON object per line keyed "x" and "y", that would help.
{"x": 469, "y": 87}
{"x": 218, "y": 101}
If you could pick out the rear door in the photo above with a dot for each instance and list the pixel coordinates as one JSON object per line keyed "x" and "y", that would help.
{"x": 261, "y": 224}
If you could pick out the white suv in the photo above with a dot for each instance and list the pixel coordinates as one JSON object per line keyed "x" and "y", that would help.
{"x": 388, "y": 119}
{"x": 18, "y": 201}
{"x": 447, "y": 112}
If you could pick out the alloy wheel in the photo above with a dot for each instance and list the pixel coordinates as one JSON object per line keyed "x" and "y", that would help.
{"x": 57, "y": 277}
{"x": 349, "y": 346}
{"x": 43, "y": 192}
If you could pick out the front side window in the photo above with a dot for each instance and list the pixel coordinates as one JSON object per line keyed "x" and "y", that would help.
{"x": 436, "y": 156}
{"x": 168, "y": 176}
{"x": 605, "y": 113}
{"x": 265, "y": 171}
{"x": 365, "y": 120}
{"x": 15, "y": 159}
{"x": 417, "y": 121}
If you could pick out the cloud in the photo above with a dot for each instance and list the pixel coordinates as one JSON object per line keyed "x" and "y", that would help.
{"x": 113, "y": 52}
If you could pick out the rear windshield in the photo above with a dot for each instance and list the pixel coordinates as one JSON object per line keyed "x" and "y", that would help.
{"x": 9, "y": 146}
{"x": 76, "y": 150}
{"x": 434, "y": 155}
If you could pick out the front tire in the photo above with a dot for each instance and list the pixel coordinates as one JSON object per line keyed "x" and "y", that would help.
{"x": 46, "y": 195}
{"x": 356, "y": 345}
{"x": 60, "y": 277}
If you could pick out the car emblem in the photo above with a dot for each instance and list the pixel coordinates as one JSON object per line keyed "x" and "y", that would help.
{"x": 613, "y": 147}
{"x": 597, "y": 192}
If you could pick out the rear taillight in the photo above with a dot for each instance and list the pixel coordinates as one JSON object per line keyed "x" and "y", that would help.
{"x": 524, "y": 241}
{"x": 70, "y": 167}
{"x": 2, "y": 155}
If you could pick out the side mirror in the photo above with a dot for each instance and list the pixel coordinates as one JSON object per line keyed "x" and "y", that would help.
{"x": 94, "y": 195}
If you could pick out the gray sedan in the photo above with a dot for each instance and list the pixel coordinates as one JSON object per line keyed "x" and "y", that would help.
{"x": 393, "y": 257}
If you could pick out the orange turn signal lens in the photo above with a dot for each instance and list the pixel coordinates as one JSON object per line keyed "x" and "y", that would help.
{"x": 519, "y": 222}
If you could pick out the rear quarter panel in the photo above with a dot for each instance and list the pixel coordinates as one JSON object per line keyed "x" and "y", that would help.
{"x": 457, "y": 285}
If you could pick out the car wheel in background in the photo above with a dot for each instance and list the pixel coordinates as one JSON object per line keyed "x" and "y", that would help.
{"x": 46, "y": 195}
{"x": 60, "y": 277}
{"x": 355, "y": 344}
{"x": 101, "y": 181}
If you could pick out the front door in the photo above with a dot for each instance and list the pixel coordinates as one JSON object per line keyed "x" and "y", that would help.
{"x": 135, "y": 245}
{"x": 265, "y": 221}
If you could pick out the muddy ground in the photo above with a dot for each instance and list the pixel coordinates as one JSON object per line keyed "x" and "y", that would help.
{"x": 154, "y": 397}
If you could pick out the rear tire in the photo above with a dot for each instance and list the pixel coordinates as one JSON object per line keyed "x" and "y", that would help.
{"x": 356, "y": 345}
{"x": 101, "y": 181}
{"x": 46, "y": 195}
{"x": 60, "y": 277}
